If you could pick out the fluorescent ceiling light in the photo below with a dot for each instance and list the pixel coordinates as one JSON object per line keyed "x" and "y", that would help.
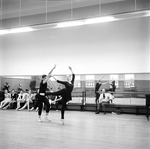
{"x": 18, "y": 77}
{"x": 148, "y": 15}
{"x": 84, "y": 22}
{"x": 20, "y": 30}
{"x": 69, "y": 24}
{"x": 99, "y": 20}
{"x": 16, "y": 30}
{"x": 3, "y": 32}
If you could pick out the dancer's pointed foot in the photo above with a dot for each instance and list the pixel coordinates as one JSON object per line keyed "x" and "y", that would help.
{"x": 63, "y": 121}
{"x": 47, "y": 119}
{"x": 40, "y": 120}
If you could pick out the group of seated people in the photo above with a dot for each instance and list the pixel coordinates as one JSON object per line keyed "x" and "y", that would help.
{"x": 21, "y": 100}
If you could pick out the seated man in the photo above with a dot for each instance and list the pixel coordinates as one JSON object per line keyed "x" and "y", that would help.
{"x": 104, "y": 101}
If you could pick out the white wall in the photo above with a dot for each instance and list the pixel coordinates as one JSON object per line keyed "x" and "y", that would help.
{"x": 0, "y": 55}
{"x": 114, "y": 47}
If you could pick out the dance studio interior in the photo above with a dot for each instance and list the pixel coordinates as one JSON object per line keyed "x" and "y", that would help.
{"x": 101, "y": 40}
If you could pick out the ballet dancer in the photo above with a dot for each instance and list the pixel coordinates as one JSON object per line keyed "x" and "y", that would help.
{"x": 7, "y": 100}
{"x": 29, "y": 99}
{"x": 42, "y": 99}
{"x": 65, "y": 93}
{"x": 36, "y": 102}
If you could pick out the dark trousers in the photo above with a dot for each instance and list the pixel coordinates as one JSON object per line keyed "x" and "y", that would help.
{"x": 97, "y": 98}
{"x": 147, "y": 112}
{"x": 57, "y": 105}
{"x": 103, "y": 105}
{"x": 36, "y": 104}
{"x": 42, "y": 100}
{"x": 63, "y": 94}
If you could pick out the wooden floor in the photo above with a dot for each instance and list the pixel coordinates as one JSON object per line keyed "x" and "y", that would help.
{"x": 82, "y": 130}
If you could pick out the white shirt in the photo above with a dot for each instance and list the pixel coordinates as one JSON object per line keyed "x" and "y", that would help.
{"x": 108, "y": 97}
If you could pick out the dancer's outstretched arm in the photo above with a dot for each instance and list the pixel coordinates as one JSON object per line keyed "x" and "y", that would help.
{"x": 52, "y": 70}
{"x": 71, "y": 69}
{"x": 49, "y": 75}
{"x": 54, "y": 78}
{"x": 73, "y": 75}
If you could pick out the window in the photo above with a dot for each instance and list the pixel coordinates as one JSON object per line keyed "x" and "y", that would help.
{"x": 90, "y": 81}
{"x": 77, "y": 83}
{"x": 129, "y": 81}
{"x": 90, "y": 84}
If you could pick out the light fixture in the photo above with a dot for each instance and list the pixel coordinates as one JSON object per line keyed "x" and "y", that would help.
{"x": 99, "y": 20}
{"x": 16, "y": 30}
{"x": 3, "y": 32}
{"x": 117, "y": 17}
{"x": 148, "y": 14}
{"x": 85, "y": 21}
{"x": 69, "y": 24}
{"x": 21, "y": 30}
{"x": 18, "y": 77}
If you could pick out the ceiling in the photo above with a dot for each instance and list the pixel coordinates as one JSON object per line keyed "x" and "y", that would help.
{"x": 16, "y": 13}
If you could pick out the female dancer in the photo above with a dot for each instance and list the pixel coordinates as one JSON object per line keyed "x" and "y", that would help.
{"x": 28, "y": 100}
{"x": 42, "y": 99}
{"x": 65, "y": 93}
{"x": 21, "y": 99}
{"x": 6, "y": 102}
{"x": 36, "y": 102}
{"x": 14, "y": 97}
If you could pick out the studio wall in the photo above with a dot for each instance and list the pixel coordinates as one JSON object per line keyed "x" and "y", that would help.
{"x": 113, "y": 47}
{"x": 1, "y": 55}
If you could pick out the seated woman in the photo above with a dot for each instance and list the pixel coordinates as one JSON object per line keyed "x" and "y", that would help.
{"x": 36, "y": 101}
{"x": 104, "y": 101}
{"x": 13, "y": 99}
{"x": 7, "y": 100}
{"x": 21, "y": 99}
{"x": 29, "y": 99}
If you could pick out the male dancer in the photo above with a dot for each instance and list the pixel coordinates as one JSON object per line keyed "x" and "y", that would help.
{"x": 65, "y": 93}
{"x": 42, "y": 99}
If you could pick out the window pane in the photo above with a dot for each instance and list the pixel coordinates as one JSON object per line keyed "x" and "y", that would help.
{"x": 77, "y": 84}
{"x": 89, "y": 77}
{"x": 129, "y": 77}
{"x": 129, "y": 81}
{"x": 90, "y": 84}
{"x": 78, "y": 77}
